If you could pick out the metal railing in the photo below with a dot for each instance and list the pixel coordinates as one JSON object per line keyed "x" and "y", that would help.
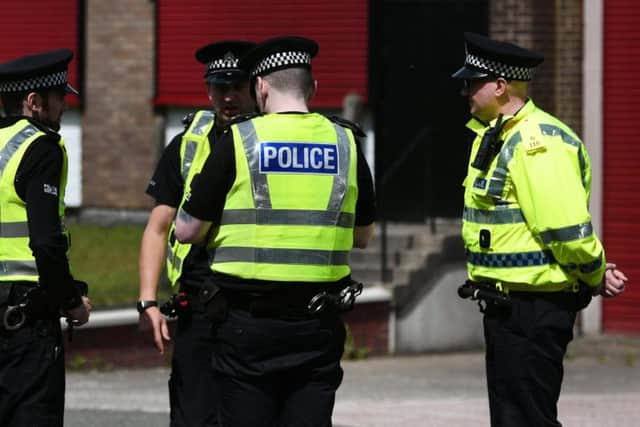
{"x": 381, "y": 189}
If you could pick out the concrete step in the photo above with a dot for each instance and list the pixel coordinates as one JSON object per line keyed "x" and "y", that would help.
{"x": 372, "y": 274}
{"x": 407, "y": 258}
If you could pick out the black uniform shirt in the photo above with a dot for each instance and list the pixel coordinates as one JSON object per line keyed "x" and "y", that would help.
{"x": 166, "y": 187}
{"x": 218, "y": 175}
{"x": 37, "y": 182}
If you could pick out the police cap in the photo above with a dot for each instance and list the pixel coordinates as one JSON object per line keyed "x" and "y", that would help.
{"x": 485, "y": 57}
{"x": 39, "y": 71}
{"x": 278, "y": 54}
{"x": 221, "y": 61}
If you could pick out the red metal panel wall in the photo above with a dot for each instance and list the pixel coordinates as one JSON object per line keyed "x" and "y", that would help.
{"x": 622, "y": 157}
{"x": 339, "y": 26}
{"x": 37, "y": 25}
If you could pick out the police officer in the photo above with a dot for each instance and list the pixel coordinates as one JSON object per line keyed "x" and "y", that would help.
{"x": 36, "y": 286}
{"x": 527, "y": 232}
{"x": 281, "y": 201}
{"x": 190, "y": 385}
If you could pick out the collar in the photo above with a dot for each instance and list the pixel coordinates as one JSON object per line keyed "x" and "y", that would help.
{"x": 12, "y": 120}
{"x": 478, "y": 126}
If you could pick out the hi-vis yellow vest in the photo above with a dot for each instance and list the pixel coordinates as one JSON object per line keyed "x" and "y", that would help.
{"x": 17, "y": 262}
{"x": 532, "y": 204}
{"x": 290, "y": 213}
{"x": 194, "y": 150}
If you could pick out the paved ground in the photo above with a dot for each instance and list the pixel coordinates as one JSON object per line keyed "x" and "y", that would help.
{"x": 601, "y": 388}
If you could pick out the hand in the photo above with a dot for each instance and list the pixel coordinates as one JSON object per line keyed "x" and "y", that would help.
{"x": 79, "y": 315}
{"x": 614, "y": 282}
{"x": 153, "y": 319}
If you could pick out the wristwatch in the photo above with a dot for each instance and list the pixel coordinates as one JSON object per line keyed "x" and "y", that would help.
{"x": 141, "y": 306}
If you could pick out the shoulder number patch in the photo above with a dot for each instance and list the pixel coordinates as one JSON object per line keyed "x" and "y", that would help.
{"x": 534, "y": 145}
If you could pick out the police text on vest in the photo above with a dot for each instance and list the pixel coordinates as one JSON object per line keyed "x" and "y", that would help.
{"x": 298, "y": 157}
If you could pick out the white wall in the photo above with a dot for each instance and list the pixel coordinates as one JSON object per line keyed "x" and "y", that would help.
{"x": 173, "y": 125}
{"x": 71, "y": 131}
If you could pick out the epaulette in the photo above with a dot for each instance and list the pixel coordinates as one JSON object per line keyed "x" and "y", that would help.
{"x": 357, "y": 131}
{"x": 241, "y": 118}
{"x": 186, "y": 120}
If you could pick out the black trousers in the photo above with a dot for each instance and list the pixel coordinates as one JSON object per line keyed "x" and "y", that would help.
{"x": 192, "y": 393}
{"x": 32, "y": 382}
{"x": 278, "y": 373}
{"x": 525, "y": 347}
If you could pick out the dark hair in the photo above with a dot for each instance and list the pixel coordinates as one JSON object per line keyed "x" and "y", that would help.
{"x": 298, "y": 81}
{"x": 12, "y": 101}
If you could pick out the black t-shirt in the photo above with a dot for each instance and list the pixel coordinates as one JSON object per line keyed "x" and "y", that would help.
{"x": 218, "y": 175}
{"x": 166, "y": 187}
{"x": 37, "y": 183}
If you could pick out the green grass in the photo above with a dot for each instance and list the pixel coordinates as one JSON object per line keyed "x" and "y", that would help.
{"x": 106, "y": 257}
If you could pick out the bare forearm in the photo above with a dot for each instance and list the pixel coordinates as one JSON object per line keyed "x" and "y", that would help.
{"x": 153, "y": 250}
{"x": 362, "y": 235}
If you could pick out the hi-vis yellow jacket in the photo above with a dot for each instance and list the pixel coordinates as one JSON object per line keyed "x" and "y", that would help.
{"x": 17, "y": 262}
{"x": 290, "y": 212}
{"x": 194, "y": 150}
{"x": 533, "y": 203}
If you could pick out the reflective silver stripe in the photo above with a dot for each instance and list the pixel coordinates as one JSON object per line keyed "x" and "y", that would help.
{"x": 585, "y": 268}
{"x": 499, "y": 177}
{"x": 287, "y": 217}
{"x": 199, "y": 128}
{"x": 552, "y": 130}
{"x": 18, "y": 268}
{"x": 202, "y": 125}
{"x": 567, "y": 234}
{"x": 340, "y": 180}
{"x": 187, "y": 161}
{"x": 278, "y": 256}
{"x": 259, "y": 184}
{"x": 14, "y": 229}
{"x": 173, "y": 260}
{"x": 522, "y": 259}
{"x": 496, "y": 216}
{"x": 14, "y": 143}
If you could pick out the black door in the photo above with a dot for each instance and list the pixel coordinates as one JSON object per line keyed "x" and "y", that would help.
{"x": 421, "y": 142}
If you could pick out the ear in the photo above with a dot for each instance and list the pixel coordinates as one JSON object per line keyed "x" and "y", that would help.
{"x": 313, "y": 91}
{"x": 501, "y": 86}
{"x": 32, "y": 102}
{"x": 210, "y": 92}
{"x": 262, "y": 86}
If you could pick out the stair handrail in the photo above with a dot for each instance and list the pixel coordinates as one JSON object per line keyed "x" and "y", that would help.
{"x": 391, "y": 170}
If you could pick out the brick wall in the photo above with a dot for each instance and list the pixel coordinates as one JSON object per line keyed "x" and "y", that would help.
{"x": 553, "y": 28}
{"x": 119, "y": 141}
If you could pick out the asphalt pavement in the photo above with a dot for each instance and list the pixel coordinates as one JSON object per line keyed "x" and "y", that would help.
{"x": 601, "y": 388}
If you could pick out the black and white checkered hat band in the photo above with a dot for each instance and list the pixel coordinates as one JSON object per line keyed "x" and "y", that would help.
{"x": 48, "y": 80}
{"x": 500, "y": 69}
{"x": 222, "y": 64}
{"x": 280, "y": 60}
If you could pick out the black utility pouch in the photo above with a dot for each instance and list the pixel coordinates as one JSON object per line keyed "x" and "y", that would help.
{"x": 583, "y": 296}
{"x": 214, "y": 302}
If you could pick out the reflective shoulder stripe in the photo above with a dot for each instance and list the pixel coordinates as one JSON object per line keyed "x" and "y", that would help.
{"x": 14, "y": 229}
{"x": 187, "y": 161}
{"x": 495, "y": 216}
{"x": 585, "y": 268}
{"x": 201, "y": 126}
{"x": 18, "y": 268}
{"x": 522, "y": 259}
{"x": 14, "y": 143}
{"x": 278, "y": 256}
{"x": 261, "y": 196}
{"x": 341, "y": 178}
{"x": 498, "y": 179}
{"x": 567, "y": 234}
{"x": 552, "y": 130}
{"x": 287, "y": 217}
